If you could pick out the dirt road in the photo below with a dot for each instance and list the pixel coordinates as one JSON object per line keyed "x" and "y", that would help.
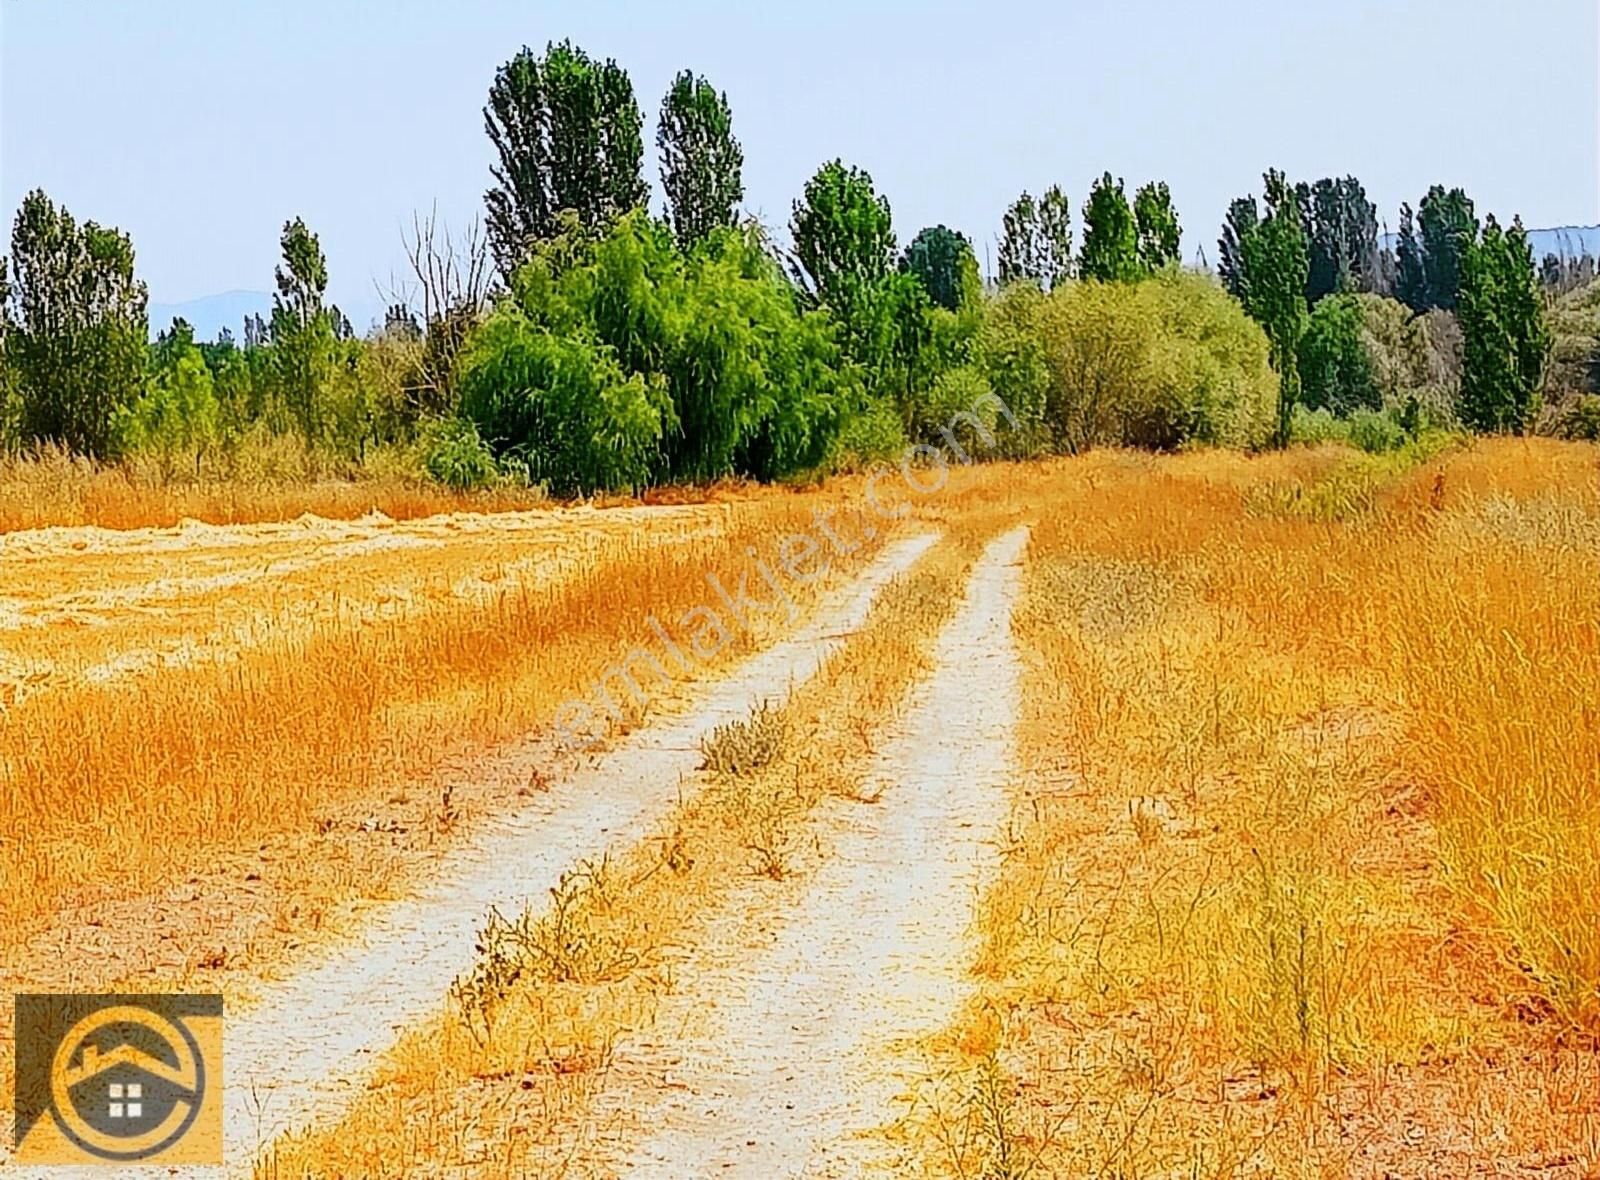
{"x": 792, "y": 1039}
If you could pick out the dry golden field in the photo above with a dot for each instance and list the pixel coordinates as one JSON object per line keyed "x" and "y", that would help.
{"x": 1287, "y": 868}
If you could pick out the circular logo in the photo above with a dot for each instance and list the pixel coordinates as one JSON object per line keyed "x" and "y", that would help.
{"x": 126, "y": 1082}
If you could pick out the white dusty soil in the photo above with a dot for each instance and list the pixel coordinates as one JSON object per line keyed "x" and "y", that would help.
{"x": 308, "y": 1046}
{"x": 792, "y": 1039}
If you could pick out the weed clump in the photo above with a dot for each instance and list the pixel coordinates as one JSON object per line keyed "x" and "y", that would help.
{"x": 743, "y": 747}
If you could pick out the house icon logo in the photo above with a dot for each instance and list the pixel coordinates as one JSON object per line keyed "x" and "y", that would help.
{"x": 119, "y": 1079}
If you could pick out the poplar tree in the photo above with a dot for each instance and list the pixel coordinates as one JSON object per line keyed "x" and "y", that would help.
{"x": 1160, "y": 236}
{"x": 1110, "y": 238}
{"x": 76, "y": 329}
{"x": 1021, "y": 242}
{"x": 701, "y": 161}
{"x": 1506, "y": 340}
{"x": 1274, "y": 265}
{"x": 567, "y": 133}
{"x": 1055, "y": 237}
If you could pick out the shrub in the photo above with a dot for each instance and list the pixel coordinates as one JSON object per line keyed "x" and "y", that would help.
{"x": 621, "y": 359}
{"x": 1336, "y": 367}
{"x": 1376, "y": 433}
{"x": 1159, "y": 363}
{"x": 1310, "y": 427}
{"x": 560, "y": 403}
{"x": 1580, "y": 419}
{"x": 457, "y": 457}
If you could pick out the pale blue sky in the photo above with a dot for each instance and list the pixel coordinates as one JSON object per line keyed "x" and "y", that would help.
{"x": 199, "y": 127}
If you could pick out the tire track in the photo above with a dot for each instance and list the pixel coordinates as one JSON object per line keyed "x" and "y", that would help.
{"x": 805, "y": 1038}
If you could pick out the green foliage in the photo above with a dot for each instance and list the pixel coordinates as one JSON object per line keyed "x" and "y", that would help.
{"x": 621, "y": 360}
{"x": 75, "y": 333}
{"x": 1411, "y": 277}
{"x": 1575, "y": 352}
{"x": 1110, "y": 235}
{"x": 1310, "y": 427}
{"x": 560, "y": 404}
{"x": 457, "y": 457}
{"x": 1055, "y": 237}
{"x": 567, "y": 133}
{"x": 943, "y": 262}
{"x": 178, "y": 414}
{"x": 1021, "y": 245}
{"x": 1273, "y": 268}
{"x": 1036, "y": 243}
{"x": 303, "y": 343}
{"x": 1159, "y": 363}
{"x": 701, "y": 161}
{"x": 1160, "y": 236}
{"x": 1449, "y": 226}
{"x": 1341, "y": 236}
{"x": 1581, "y": 419}
{"x": 1376, "y": 433}
{"x": 872, "y": 434}
{"x": 843, "y": 241}
{"x": 1336, "y": 368}
{"x": 1243, "y": 217}
{"x": 1413, "y": 358}
{"x": 1507, "y": 342}
{"x": 1011, "y": 352}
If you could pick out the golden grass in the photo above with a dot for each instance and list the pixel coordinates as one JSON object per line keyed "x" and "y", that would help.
{"x": 54, "y": 488}
{"x": 1299, "y": 882}
{"x": 1304, "y": 852}
{"x": 505, "y": 1080}
{"x": 149, "y": 775}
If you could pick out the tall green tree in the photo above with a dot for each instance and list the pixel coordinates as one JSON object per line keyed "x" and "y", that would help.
{"x": 1021, "y": 242}
{"x": 1341, "y": 228}
{"x": 1449, "y": 225}
{"x": 1160, "y": 236}
{"x": 702, "y": 163}
{"x": 302, "y": 329}
{"x": 567, "y": 133}
{"x": 1243, "y": 217}
{"x": 1274, "y": 263}
{"x": 76, "y": 337}
{"x": 1410, "y": 278}
{"x": 1055, "y": 237}
{"x": 943, "y": 262}
{"x": 178, "y": 415}
{"x": 1506, "y": 340}
{"x": 843, "y": 238}
{"x": 1110, "y": 237}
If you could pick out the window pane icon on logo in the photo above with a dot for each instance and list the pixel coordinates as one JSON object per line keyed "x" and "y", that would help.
{"x": 119, "y": 1079}
{"x": 131, "y": 1109}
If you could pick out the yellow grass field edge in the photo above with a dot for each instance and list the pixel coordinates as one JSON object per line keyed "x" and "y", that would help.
{"x": 1305, "y": 812}
{"x": 132, "y": 784}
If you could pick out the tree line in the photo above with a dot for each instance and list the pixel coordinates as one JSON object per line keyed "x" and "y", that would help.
{"x": 579, "y": 341}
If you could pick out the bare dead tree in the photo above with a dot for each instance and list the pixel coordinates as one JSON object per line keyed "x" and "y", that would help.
{"x": 448, "y": 289}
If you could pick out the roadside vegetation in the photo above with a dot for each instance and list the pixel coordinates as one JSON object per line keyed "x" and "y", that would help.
{"x": 1303, "y": 825}
{"x": 509, "y": 1076}
{"x": 572, "y": 343}
{"x": 271, "y": 720}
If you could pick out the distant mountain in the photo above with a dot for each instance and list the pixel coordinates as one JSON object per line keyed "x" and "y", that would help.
{"x": 1566, "y": 241}
{"x": 211, "y": 313}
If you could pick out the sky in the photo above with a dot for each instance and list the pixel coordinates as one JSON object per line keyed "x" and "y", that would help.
{"x": 200, "y": 128}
